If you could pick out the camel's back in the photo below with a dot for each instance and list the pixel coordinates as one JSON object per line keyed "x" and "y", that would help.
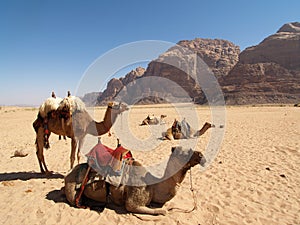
{"x": 49, "y": 105}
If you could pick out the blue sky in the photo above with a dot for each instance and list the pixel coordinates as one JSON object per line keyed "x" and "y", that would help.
{"x": 49, "y": 45}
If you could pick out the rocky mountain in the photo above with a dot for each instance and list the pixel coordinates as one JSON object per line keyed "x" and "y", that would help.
{"x": 281, "y": 48}
{"x": 266, "y": 73}
{"x": 90, "y": 99}
{"x": 219, "y": 55}
{"x": 115, "y": 85}
{"x": 174, "y": 70}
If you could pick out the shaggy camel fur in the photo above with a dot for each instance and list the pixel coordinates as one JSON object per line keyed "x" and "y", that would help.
{"x": 75, "y": 124}
{"x": 137, "y": 198}
{"x": 152, "y": 120}
{"x": 175, "y": 132}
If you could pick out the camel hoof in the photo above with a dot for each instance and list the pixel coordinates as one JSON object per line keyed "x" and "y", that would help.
{"x": 48, "y": 173}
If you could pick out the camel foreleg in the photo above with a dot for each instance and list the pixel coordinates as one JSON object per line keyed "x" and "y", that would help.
{"x": 40, "y": 150}
{"x": 146, "y": 210}
{"x": 80, "y": 144}
{"x": 73, "y": 151}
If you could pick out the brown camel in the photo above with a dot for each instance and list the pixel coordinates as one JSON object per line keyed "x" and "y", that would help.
{"x": 136, "y": 198}
{"x": 75, "y": 125}
{"x": 152, "y": 120}
{"x": 183, "y": 130}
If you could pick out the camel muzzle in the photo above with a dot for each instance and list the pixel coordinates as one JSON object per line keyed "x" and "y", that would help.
{"x": 202, "y": 161}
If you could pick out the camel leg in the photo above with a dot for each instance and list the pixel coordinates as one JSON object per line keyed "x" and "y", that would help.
{"x": 145, "y": 210}
{"x": 40, "y": 150}
{"x": 136, "y": 200}
{"x": 73, "y": 150}
{"x": 80, "y": 143}
{"x": 168, "y": 135}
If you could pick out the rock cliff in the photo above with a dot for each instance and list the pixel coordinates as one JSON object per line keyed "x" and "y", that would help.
{"x": 266, "y": 73}
{"x": 282, "y": 48}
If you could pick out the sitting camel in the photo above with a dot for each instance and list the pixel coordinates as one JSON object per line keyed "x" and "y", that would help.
{"x": 182, "y": 130}
{"x": 152, "y": 120}
{"x": 70, "y": 118}
{"x": 136, "y": 198}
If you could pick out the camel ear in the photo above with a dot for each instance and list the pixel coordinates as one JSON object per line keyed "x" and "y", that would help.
{"x": 176, "y": 147}
{"x": 173, "y": 149}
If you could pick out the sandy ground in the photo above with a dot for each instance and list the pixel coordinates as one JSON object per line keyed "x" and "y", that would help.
{"x": 255, "y": 178}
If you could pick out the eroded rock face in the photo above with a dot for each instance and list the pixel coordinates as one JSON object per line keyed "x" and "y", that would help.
{"x": 115, "y": 85}
{"x": 261, "y": 83}
{"x": 282, "y": 48}
{"x": 219, "y": 55}
{"x": 268, "y": 72}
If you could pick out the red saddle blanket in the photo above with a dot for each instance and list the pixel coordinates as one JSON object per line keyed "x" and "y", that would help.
{"x": 105, "y": 156}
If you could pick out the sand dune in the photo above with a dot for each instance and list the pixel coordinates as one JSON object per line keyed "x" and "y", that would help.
{"x": 253, "y": 180}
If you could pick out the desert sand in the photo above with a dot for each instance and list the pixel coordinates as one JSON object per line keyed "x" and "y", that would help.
{"x": 254, "y": 179}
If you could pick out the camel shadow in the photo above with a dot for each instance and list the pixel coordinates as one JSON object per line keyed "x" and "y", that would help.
{"x": 58, "y": 196}
{"x": 28, "y": 175}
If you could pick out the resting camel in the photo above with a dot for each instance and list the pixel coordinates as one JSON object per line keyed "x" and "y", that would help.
{"x": 183, "y": 130}
{"x": 136, "y": 199}
{"x": 152, "y": 120}
{"x": 72, "y": 120}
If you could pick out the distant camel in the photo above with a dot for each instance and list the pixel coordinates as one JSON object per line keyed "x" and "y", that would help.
{"x": 152, "y": 120}
{"x": 181, "y": 130}
{"x": 71, "y": 119}
{"x": 135, "y": 198}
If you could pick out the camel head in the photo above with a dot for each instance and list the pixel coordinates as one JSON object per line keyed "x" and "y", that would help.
{"x": 118, "y": 108}
{"x": 189, "y": 157}
{"x": 65, "y": 108}
{"x": 205, "y": 127}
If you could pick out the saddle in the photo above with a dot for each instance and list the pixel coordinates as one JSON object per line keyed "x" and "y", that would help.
{"x": 105, "y": 160}
{"x": 181, "y": 129}
{"x": 108, "y": 163}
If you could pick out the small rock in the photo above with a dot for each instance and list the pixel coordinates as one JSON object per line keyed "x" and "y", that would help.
{"x": 19, "y": 153}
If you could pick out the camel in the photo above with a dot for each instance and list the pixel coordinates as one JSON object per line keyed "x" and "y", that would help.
{"x": 136, "y": 199}
{"x": 183, "y": 130}
{"x": 72, "y": 120}
{"x": 152, "y": 120}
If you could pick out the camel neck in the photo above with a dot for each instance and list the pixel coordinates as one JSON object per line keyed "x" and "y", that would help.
{"x": 176, "y": 171}
{"x": 100, "y": 128}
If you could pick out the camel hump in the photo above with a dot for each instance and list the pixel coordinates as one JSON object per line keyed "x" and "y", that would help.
{"x": 50, "y": 104}
{"x": 72, "y": 104}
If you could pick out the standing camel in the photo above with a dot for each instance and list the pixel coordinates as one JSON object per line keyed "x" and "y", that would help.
{"x": 136, "y": 198}
{"x": 67, "y": 120}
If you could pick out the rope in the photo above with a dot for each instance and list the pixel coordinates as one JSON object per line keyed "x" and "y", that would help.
{"x": 192, "y": 190}
{"x": 194, "y": 197}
